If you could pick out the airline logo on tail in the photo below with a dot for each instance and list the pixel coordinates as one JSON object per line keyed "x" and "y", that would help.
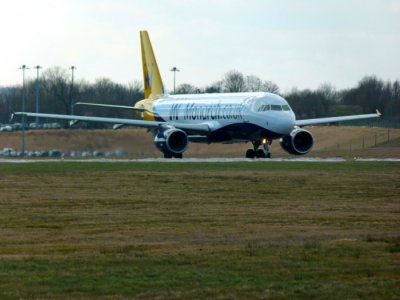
{"x": 153, "y": 86}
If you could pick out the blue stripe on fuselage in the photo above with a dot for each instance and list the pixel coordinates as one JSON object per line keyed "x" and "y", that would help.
{"x": 237, "y": 131}
{"x": 241, "y": 131}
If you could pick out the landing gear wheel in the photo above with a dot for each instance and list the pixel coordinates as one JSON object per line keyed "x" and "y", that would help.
{"x": 167, "y": 155}
{"x": 180, "y": 155}
{"x": 266, "y": 150}
{"x": 260, "y": 153}
{"x": 250, "y": 153}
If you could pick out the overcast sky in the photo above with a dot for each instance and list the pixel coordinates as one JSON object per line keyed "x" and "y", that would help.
{"x": 291, "y": 42}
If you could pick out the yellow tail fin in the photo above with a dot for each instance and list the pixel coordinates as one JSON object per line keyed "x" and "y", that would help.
{"x": 153, "y": 86}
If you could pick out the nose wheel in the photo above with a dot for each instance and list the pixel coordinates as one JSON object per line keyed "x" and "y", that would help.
{"x": 258, "y": 152}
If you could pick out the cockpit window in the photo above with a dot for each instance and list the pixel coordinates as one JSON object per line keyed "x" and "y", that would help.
{"x": 264, "y": 107}
{"x": 276, "y": 107}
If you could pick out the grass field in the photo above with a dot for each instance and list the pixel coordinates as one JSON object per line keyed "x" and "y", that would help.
{"x": 329, "y": 142}
{"x": 244, "y": 230}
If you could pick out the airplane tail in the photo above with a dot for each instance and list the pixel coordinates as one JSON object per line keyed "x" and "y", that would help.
{"x": 153, "y": 86}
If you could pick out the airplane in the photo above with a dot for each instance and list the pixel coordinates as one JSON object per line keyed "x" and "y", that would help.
{"x": 176, "y": 120}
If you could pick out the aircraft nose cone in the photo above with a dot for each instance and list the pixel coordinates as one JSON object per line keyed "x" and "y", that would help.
{"x": 288, "y": 125}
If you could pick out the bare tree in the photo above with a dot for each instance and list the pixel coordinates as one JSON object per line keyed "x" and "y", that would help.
{"x": 329, "y": 92}
{"x": 135, "y": 88}
{"x": 5, "y": 107}
{"x": 270, "y": 87}
{"x": 233, "y": 82}
{"x": 55, "y": 84}
{"x": 253, "y": 83}
{"x": 186, "y": 88}
{"x": 215, "y": 87}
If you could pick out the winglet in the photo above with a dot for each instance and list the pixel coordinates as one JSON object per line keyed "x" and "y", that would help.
{"x": 378, "y": 113}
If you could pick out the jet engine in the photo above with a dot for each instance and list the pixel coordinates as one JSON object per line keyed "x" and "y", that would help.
{"x": 172, "y": 142}
{"x": 298, "y": 142}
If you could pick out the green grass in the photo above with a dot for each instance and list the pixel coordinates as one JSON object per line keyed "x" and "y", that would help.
{"x": 282, "y": 230}
{"x": 392, "y": 143}
{"x": 69, "y": 166}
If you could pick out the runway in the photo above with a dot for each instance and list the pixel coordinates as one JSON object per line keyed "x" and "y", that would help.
{"x": 200, "y": 160}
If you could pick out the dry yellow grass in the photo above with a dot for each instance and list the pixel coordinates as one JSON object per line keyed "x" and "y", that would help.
{"x": 329, "y": 141}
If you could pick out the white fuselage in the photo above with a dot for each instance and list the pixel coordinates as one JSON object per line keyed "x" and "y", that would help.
{"x": 264, "y": 114}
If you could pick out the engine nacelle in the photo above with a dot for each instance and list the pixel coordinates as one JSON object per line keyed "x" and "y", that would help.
{"x": 298, "y": 142}
{"x": 171, "y": 141}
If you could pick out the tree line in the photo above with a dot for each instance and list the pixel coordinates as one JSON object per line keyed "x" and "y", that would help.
{"x": 57, "y": 95}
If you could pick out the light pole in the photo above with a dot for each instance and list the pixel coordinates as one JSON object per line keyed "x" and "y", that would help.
{"x": 37, "y": 91}
{"x": 174, "y": 69}
{"x": 23, "y": 68}
{"x": 71, "y": 101}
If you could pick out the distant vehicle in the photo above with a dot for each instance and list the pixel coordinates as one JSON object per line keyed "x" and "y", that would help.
{"x": 16, "y": 126}
{"x": 51, "y": 126}
{"x": 35, "y": 126}
{"x": 98, "y": 153}
{"x": 54, "y": 153}
{"x": 6, "y": 152}
{"x": 6, "y": 128}
{"x": 55, "y": 125}
{"x": 175, "y": 120}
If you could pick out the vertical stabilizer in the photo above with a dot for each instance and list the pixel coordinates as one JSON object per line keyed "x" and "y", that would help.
{"x": 153, "y": 86}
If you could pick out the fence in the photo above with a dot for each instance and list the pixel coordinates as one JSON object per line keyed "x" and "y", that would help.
{"x": 380, "y": 123}
{"x": 380, "y": 138}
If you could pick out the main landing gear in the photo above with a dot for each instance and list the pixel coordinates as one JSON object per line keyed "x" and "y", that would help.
{"x": 259, "y": 153}
{"x": 180, "y": 155}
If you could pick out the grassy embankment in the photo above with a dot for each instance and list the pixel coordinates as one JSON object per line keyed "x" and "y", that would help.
{"x": 190, "y": 230}
{"x": 329, "y": 142}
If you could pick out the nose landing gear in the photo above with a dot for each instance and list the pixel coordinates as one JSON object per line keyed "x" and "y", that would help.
{"x": 256, "y": 152}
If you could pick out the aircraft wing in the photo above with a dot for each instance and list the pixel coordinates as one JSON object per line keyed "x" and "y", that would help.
{"x": 111, "y": 106}
{"x": 189, "y": 128}
{"x": 308, "y": 122}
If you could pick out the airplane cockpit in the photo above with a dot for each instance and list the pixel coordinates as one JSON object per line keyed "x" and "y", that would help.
{"x": 275, "y": 107}
{"x": 266, "y": 104}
